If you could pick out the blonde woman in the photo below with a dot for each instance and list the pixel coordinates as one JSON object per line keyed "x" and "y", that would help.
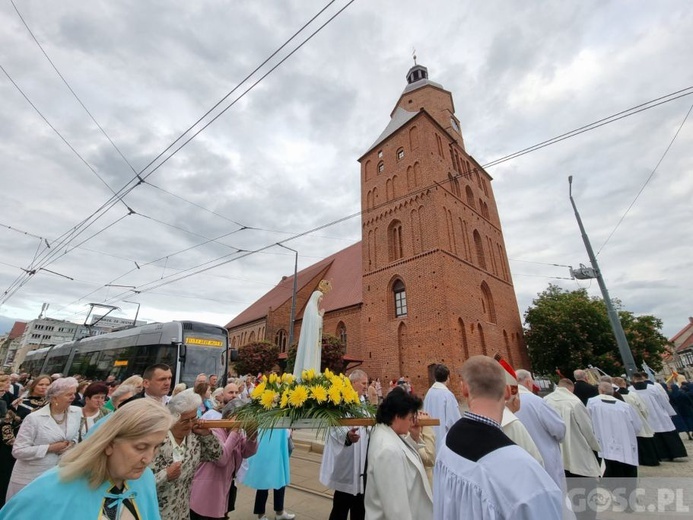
{"x": 45, "y": 434}
{"x": 106, "y": 476}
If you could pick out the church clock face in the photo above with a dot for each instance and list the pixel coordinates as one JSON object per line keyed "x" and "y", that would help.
{"x": 455, "y": 125}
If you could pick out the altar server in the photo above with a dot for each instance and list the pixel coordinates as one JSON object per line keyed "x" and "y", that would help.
{"x": 647, "y": 450}
{"x": 441, "y": 404}
{"x": 480, "y": 473}
{"x": 616, "y": 425}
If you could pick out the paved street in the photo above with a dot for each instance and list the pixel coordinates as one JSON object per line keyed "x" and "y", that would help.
{"x": 310, "y": 500}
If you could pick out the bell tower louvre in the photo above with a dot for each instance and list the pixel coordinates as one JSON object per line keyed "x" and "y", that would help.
{"x": 429, "y": 282}
{"x": 436, "y": 282}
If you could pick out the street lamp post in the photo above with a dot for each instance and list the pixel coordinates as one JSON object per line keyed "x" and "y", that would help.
{"x": 293, "y": 296}
{"x": 621, "y": 341}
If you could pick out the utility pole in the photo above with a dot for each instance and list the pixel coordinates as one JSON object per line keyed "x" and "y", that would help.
{"x": 621, "y": 341}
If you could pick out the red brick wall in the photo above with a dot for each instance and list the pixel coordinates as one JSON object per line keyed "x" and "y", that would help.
{"x": 440, "y": 263}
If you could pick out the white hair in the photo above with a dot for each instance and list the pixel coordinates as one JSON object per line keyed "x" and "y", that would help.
{"x": 357, "y": 374}
{"x": 523, "y": 375}
{"x": 186, "y": 401}
{"x": 61, "y": 386}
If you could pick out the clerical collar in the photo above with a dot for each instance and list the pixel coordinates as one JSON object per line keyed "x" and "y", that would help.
{"x": 482, "y": 419}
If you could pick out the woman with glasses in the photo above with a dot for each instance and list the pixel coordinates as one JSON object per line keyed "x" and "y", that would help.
{"x": 184, "y": 448}
{"x": 396, "y": 483}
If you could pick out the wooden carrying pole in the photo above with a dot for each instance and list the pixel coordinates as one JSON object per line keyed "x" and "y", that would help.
{"x": 366, "y": 421}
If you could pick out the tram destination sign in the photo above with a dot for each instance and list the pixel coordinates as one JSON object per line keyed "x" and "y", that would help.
{"x": 204, "y": 342}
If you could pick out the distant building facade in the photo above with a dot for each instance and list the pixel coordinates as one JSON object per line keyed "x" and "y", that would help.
{"x": 681, "y": 357}
{"x": 429, "y": 282}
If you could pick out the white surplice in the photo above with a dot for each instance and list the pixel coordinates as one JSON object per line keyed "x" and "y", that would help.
{"x": 658, "y": 407}
{"x": 506, "y": 483}
{"x": 634, "y": 399}
{"x": 579, "y": 443}
{"x": 342, "y": 466}
{"x": 440, "y": 403}
{"x": 547, "y": 430}
{"x": 616, "y": 425}
{"x": 516, "y": 431}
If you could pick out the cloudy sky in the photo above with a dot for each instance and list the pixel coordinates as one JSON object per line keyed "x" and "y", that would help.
{"x": 283, "y": 159}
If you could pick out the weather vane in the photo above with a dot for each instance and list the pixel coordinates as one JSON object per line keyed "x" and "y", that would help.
{"x": 413, "y": 52}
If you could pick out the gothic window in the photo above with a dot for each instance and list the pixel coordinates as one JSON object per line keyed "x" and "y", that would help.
{"x": 400, "y": 294}
{"x": 251, "y": 338}
{"x": 470, "y": 197}
{"x": 454, "y": 185}
{"x": 413, "y": 137}
{"x": 342, "y": 333}
{"x": 381, "y": 167}
{"x": 487, "y": 300}
{"x": 400, "y": 154}
{"x": 479, "y": 245}
{"x": 280, "y": 340}
{"x": 368, "y": 170}
{"x": 394, "y": 239}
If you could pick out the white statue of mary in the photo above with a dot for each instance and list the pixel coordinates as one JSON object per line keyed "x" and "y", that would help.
{"x": 309, "y": 350}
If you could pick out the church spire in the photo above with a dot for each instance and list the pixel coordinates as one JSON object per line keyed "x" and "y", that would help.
{"x": 416, "y": 73}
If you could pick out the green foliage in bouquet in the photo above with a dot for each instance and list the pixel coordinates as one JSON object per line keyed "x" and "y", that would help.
{"x": 323, "y": 397}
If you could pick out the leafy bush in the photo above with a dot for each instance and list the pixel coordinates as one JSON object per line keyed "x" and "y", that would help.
{"x": 256, "y": 357}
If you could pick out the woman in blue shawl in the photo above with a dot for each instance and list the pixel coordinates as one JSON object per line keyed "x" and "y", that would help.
{"x": 105, "y": 476}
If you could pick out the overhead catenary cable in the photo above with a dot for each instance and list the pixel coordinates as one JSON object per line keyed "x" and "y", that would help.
{"x": 647, "y": 180}
{"x": 64, "y": 239}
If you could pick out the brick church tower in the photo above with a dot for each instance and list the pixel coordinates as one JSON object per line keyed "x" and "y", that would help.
{"x": 436, "y": 282}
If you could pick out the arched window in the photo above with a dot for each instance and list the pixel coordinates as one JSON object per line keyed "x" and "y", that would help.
{"x": 400, "y": 294}
{"x": 400, "y": 154}
{"x": 388, "y": 190}
{"x": 413, "y": 137}
{"x": 487, "y": 299}
{"x": 394, "y": 239}
{"x": 381, "y": 167}
{"x": 342, "y": 333}
{"x": 470, "y": 197}
{"x": 280, "y": 340}
{"x": 251, "y": 338}
{"x": 463, "y": 339}
{"x": 482, "y": 341}
{"x": 368, "y": 170}
{"x": 479, "y": 245}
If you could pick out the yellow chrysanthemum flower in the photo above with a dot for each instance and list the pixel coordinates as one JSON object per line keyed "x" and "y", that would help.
{"x": 335, "y": 395}
{"x": 337, "y": 382}
{"x": 263, "y": 378}
{"x": 319, "y": 393}
{"x": 287, "y": 378}
{"x": 284, "y": 401}
{"x": 298, "y": 396}
{"x": 273, "y": 378}
{"x": 268, "y": 399}
{"x": 257, "y": 391}
{"x": 328, "y": 373}
{"x": 308, "y": 375}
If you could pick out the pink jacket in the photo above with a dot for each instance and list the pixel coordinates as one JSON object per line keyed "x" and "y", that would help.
{"x": 212, "y": 480}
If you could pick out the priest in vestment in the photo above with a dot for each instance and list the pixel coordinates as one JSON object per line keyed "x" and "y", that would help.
{"x": 441, "y": 404}
{"x": 647, "y": 449}
{"x": 544, "y": 425}
{"x": 480, "y": 473}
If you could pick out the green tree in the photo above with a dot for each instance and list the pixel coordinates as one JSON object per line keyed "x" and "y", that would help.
{"x": 566, "y": 330}
{"x": 256, "y": 357}
{"x": 332, "y": 356}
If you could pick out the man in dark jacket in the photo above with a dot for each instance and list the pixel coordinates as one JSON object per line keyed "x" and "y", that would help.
{"x": 583, "y": 389}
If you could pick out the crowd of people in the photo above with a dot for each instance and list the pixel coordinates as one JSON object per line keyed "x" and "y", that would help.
{"x": 510, "y": 454}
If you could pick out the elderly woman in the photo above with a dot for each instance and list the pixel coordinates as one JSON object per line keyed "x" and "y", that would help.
{"x": 184, "y": 448}
{"x": 397, "y": 486}
{"x": 104, "y": 477}
{"x": 213, "y": 488}
{"x": 94, "y": 399}
{"x": 45, "y": 434}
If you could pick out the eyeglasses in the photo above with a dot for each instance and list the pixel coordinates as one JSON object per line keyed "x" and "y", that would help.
{"x": 190, "y": 420}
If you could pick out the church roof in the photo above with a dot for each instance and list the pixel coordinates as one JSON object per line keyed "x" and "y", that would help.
{"x": 399, "y": 118}
{"x": 343, "y": 271}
